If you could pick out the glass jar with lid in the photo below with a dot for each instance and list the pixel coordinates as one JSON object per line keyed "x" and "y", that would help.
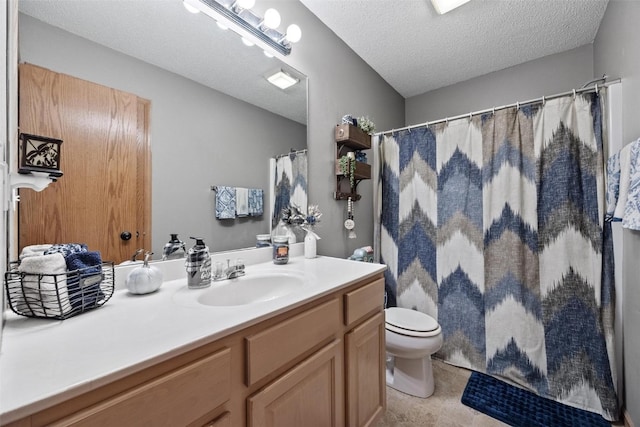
{"x": 280, "y": 249}
{"x": 263, "y": 240}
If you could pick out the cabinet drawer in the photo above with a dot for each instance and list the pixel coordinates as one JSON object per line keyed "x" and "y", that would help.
{"x": 282, "y": 343}
{"x": 363, "y": 301}
{"x": 177, "y": 398}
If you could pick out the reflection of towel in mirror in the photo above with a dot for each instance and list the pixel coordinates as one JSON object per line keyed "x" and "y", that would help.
{"x": 631, "y": 219}
{"x": 255, "y": 202}
{"x": 84, "y": 285}
{"x": 33, "y": 250}
{"x": 225, "y": 202}
{"x": 242, "y": 201}
{"x": 623, "y": 191}
{"x": 44, "y": 286}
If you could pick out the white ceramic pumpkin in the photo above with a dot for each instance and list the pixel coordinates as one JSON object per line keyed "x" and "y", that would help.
{"x": 144, "y": 279}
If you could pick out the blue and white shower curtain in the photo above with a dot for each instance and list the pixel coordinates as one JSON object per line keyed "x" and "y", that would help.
{"x": 288, "y": 184}
{"x": 494, "y": 225}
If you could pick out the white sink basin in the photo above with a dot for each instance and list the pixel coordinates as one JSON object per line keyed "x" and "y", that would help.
{"x": 249, "y": 289}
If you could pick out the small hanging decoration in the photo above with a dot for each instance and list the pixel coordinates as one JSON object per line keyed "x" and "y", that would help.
{"x": 349, "y": 223}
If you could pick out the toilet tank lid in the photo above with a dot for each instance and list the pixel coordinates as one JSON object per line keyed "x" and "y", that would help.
{"x": 410, "y": 320}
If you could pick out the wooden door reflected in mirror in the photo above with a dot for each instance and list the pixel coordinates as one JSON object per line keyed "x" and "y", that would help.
{"x": 106, "y": 187}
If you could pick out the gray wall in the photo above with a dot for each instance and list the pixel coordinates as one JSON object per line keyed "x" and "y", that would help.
{"x": 199, "y": 137}
{"x": 616, "y": 52}
{"x": 545, "y": 76}
{"x": 339, "y": 83}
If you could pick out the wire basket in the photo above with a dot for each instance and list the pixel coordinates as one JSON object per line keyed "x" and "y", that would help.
{"x": 58, "y": 296}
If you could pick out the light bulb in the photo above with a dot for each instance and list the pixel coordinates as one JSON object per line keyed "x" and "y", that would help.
{"x": 222, "y": 26}
{"x": 294, "y": 33}
{"x": 267, "y": 54}
{"x": 190, "y": 8}
{"x": 246, "y": 4}
{"x": 247, "y": 42}
{"x": 271, "y": 18}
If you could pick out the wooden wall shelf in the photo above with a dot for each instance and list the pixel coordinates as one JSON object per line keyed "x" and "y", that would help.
{"x": 350, "y": 138}
{"x": 353, "y": 137}
{"x": 363, "y": 170}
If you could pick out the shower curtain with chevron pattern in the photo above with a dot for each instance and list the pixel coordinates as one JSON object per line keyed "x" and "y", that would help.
{"x": 494, "y": 225}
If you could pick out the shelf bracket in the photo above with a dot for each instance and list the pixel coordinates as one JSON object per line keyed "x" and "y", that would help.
{"x": 36, "y": 181}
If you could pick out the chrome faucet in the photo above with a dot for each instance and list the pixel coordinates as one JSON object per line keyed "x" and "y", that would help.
{"x": 232, "y": 271}
{"x": 134, "y": 257}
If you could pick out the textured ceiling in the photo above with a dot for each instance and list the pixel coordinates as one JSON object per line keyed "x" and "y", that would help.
{"x": 415, "y": 50}
{"x": 405, "y": 41}
{"x": 163, "y": 33}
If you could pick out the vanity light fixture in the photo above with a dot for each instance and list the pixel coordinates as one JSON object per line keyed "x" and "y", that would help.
{"x": 444, "y": 6}
{"x": 237, "y": 16}
{"x": 282, "y": 80}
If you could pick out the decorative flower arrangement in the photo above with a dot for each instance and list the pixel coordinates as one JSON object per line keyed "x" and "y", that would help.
{"x": 292, "y": 216}
{"x": 366, "y": 124}
{"x": 313, "y": 216}
{"x": 312, "y": 219}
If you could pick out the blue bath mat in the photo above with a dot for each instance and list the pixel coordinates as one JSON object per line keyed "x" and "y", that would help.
{"x": 522, "y": 408}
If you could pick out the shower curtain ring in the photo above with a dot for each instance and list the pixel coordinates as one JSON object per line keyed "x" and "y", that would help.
{"x": 517, "y": 105}
{"x": 574, "y": 94}
{"x": 596, "y": 88}
{"x": 543, "y": 100}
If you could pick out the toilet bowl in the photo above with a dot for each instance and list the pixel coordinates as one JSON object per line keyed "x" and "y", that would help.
{"x": 412, "y": 337}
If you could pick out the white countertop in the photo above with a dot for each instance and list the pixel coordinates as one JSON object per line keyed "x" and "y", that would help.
{"x": 44, "y": 362}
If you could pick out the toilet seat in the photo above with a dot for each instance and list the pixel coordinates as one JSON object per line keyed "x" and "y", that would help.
{"x": 410, "y": 323}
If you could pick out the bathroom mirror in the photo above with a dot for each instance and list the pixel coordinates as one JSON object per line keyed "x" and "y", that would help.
{"x": 215, "y": 120}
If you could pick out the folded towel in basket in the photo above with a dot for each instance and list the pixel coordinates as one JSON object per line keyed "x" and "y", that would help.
{"x": 33, "y": 250}
{"x": 44, "y": 286}
{"x": 84, "y": 286}
{"x": 66, "y": 249}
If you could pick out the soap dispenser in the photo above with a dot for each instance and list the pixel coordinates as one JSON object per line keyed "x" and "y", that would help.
{"x": 198, "y": 265}
{"x": 173, "y": 249}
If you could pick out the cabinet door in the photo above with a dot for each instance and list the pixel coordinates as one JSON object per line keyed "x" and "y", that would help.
{"x": 311, "y": 394}
{"x": 366, "y": 385}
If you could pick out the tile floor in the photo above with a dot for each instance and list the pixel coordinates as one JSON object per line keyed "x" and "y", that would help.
{"x": 443, "y": 408}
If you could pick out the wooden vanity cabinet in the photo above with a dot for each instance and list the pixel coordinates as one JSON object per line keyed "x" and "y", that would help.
{"x": 320, "y": 364}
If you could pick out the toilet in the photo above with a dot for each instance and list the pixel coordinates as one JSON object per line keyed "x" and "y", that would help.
{"x": 412, "y": 337}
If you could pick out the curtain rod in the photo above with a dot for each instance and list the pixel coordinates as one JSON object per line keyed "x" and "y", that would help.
{"x": 291, "y": 152}
{"x": 516, "y": 104}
